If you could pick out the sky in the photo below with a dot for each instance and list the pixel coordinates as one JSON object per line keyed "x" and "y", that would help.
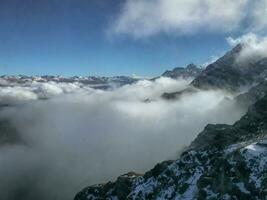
{"x": 120, "y": 37}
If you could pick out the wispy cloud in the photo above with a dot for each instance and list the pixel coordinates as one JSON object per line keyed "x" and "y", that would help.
{"x": 140, "y": 19}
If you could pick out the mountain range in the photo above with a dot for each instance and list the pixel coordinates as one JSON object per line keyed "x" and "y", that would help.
{"x": 223, "y": 161}
{"x": 96, "y": 82}
{"x": 190, "y": 71}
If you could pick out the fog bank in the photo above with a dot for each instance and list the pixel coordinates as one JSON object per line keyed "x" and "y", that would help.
{"x": 80, "y": 136}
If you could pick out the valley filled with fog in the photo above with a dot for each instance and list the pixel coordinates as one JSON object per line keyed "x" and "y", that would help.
{"x": 70, "y": 135}
{"x": 133, "y": 100}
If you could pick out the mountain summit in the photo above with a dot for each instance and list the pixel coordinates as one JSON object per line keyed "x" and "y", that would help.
{"x": 230, "y": 73}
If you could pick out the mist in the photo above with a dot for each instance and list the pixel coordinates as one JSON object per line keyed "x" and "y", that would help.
{"x": 70, "y": 136}
{"x": 254, "y": 47}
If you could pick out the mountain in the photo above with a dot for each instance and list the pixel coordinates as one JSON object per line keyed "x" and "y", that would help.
{"x": 230, "y": 74}
{"x": 227, "y": 73}
{"x": 223, "y": 162}
{"x": 190, "y": 71}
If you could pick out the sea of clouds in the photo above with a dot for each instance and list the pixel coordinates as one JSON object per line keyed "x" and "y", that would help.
{"x": 70, "y": 135}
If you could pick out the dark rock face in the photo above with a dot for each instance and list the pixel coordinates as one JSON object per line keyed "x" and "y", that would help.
{"x": 223, "y": 162}
{"x": 250, "y": 126}
{"x": 190, "y": 71}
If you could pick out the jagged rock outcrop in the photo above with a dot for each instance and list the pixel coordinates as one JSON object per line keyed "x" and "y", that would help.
{"x": 178, "y": 94}
{"x": 223, "y": 162}
{"x": 190, "y": 71}
{"x": 251, "y": 126}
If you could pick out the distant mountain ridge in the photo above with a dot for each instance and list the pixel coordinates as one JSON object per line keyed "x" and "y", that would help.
{"x": 99, "y": 82}
{"x": 190, "y": 71}
{"x": 96, "y": 82}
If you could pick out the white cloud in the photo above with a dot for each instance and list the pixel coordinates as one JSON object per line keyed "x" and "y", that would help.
{"x": 139, "y": 18}
{"x": 88, "y": 136}
{"x": 11, "y": 95}
{"x": 258, "y": 15}
{"x": 16, "y": 93}
{"x": 254, "y": 46}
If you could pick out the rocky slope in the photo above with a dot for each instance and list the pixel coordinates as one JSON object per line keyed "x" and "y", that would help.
{"x": 230, "y": 74}
{"x": 223, "y": 162}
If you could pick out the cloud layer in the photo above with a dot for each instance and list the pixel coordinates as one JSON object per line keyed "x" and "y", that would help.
{"x": 141, "y": 19}
{"x": 80, "y": 136}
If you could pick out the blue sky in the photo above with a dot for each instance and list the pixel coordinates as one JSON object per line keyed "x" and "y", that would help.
{"x": 82, "y": 37}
